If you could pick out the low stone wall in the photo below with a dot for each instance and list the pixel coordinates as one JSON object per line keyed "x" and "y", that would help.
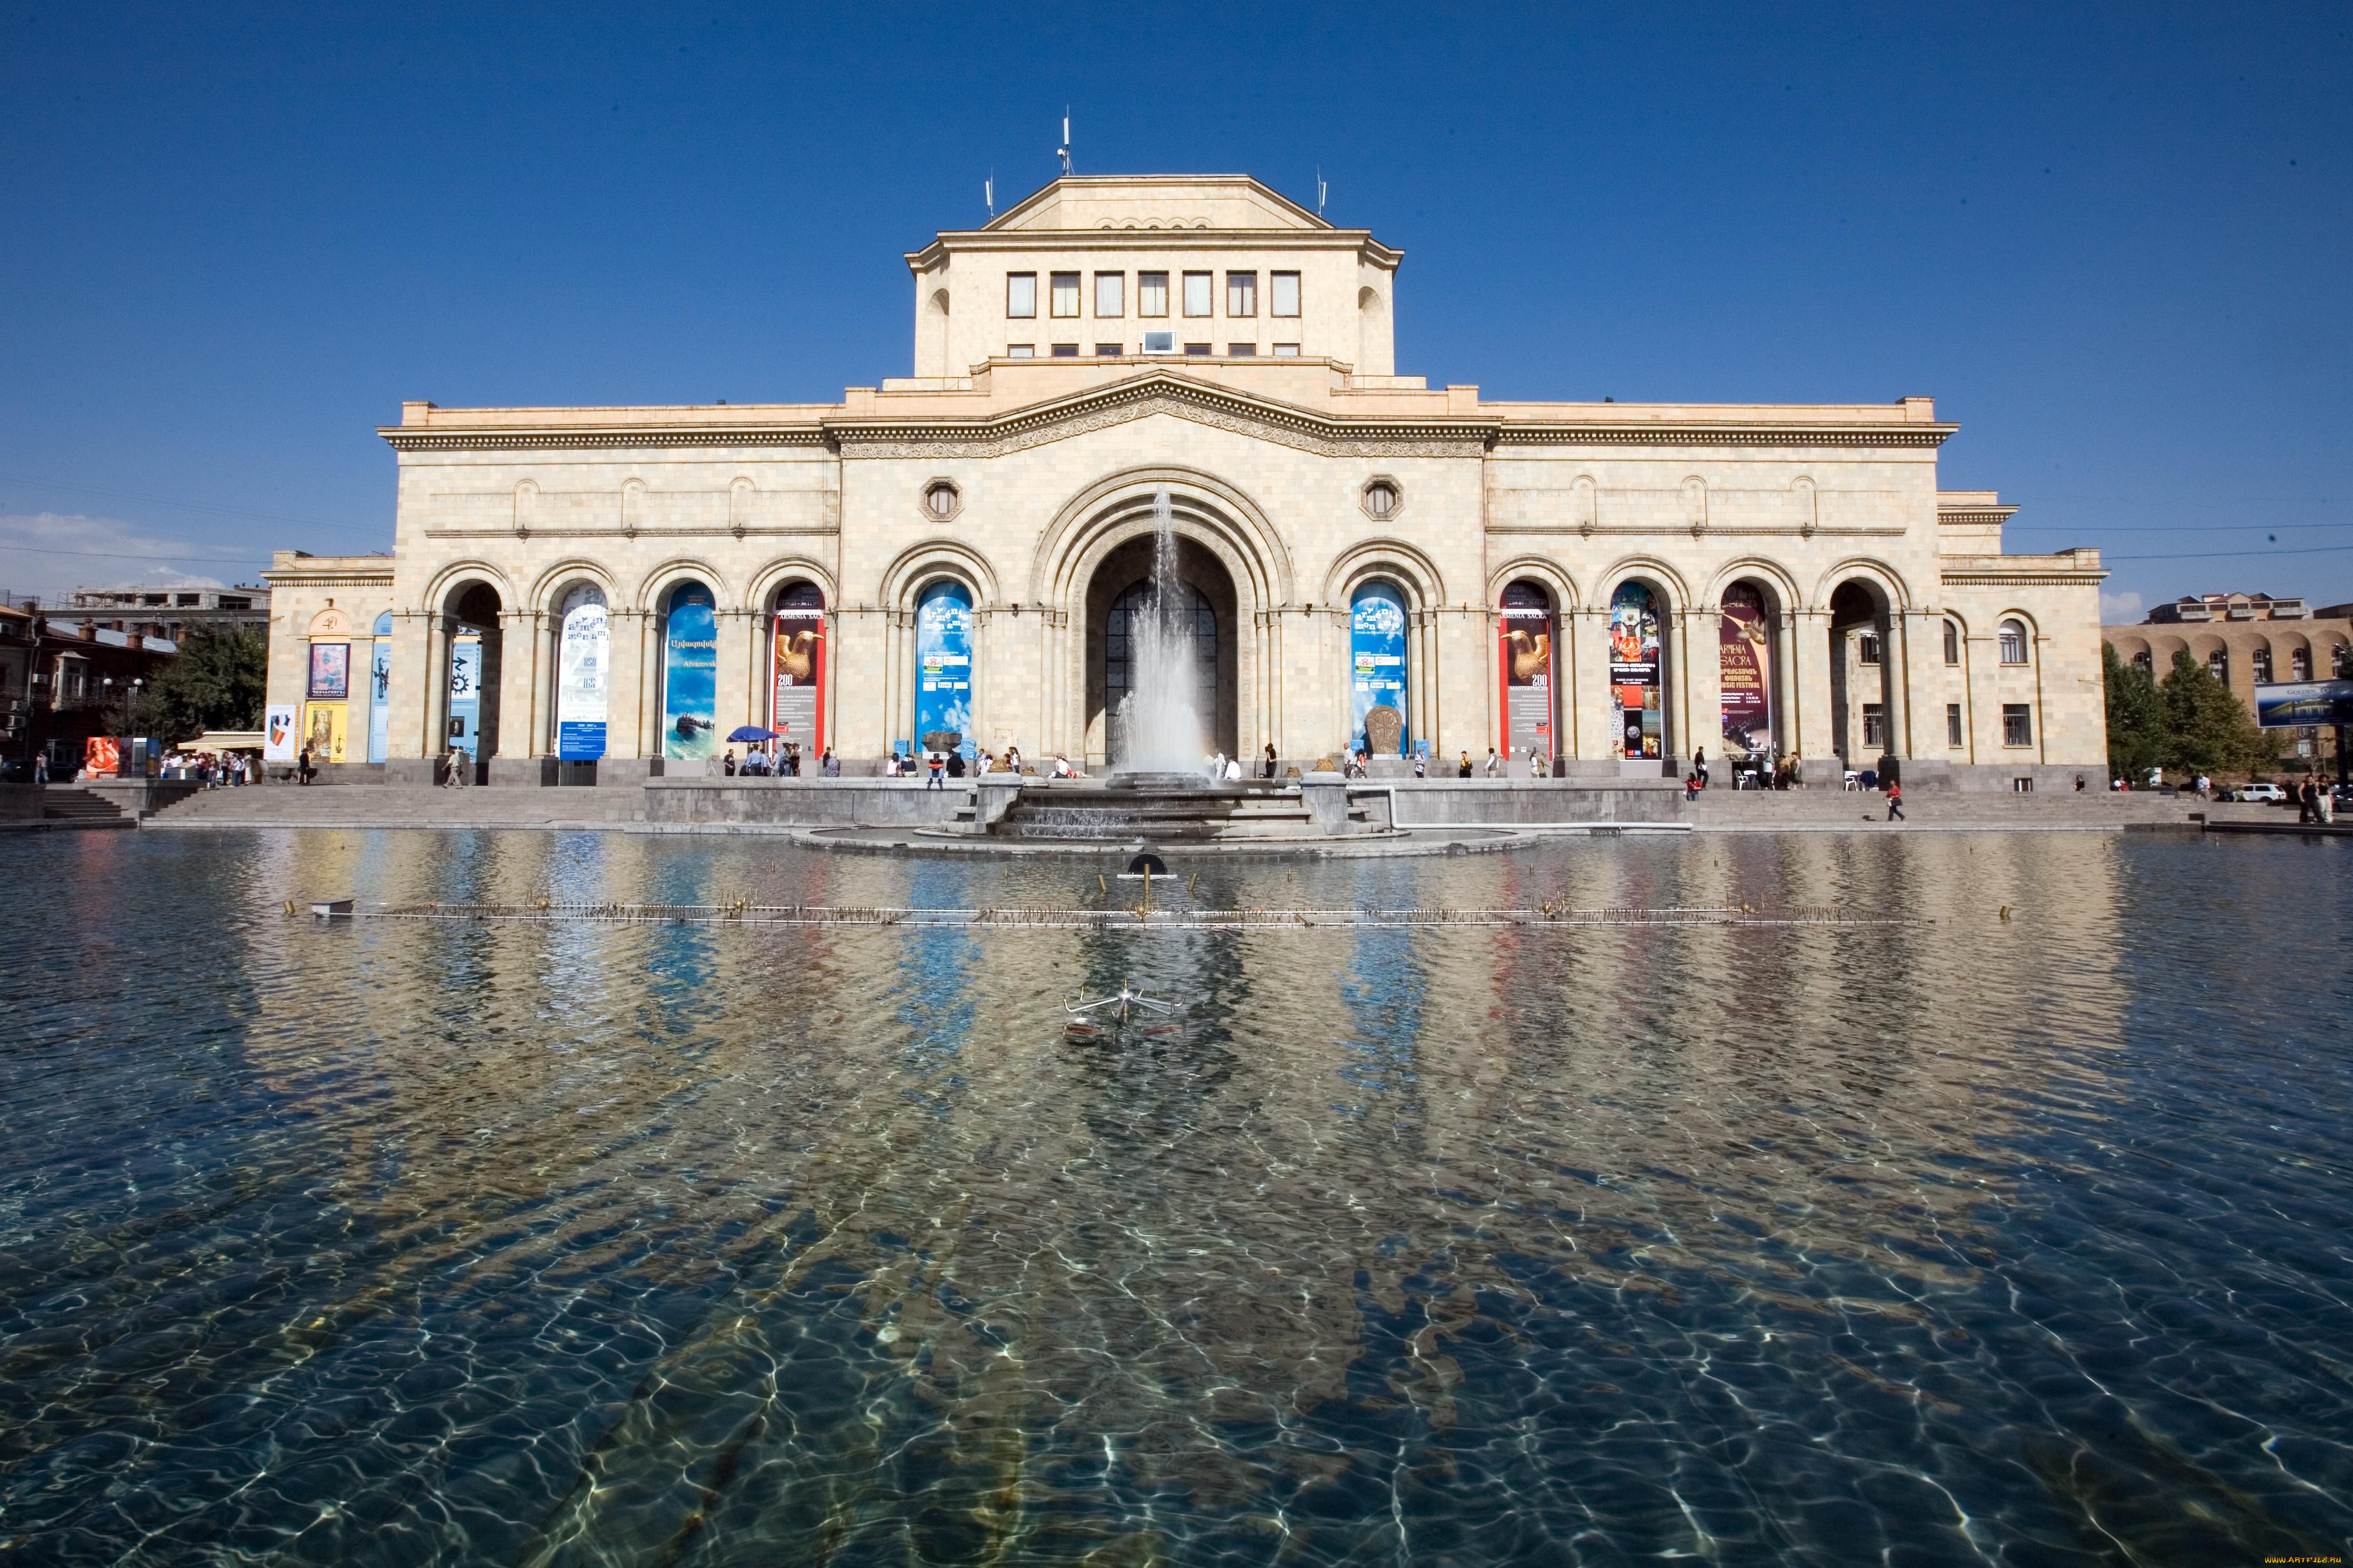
{"x": 20, "y": 802}
{"x": 805, "y": 803}
{"x": 1521, "y": 803}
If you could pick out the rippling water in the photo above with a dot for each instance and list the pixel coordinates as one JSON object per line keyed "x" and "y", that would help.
{"x": 1999, "y": 1240}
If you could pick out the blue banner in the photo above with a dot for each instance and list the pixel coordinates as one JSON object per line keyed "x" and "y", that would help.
{"x": 944, "y": 666}
{"x": 1376, "y": 670}
{"x": 379, "y": 732}
{"x": 466, "y": 695}
{"x": 691, "y": 676}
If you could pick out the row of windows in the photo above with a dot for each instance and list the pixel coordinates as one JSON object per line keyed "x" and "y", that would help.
{"x": 2299, "y": 664}
{"x": 2012, "y": 641}
{"x": 1154, "y": 343}
{"x": 1198, "y": 293}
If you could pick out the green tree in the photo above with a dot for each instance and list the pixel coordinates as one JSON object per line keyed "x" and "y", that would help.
{"x": 217, "y": 682}
{"x": 2136, "y": 734}
{"x": 2207, "y": 729}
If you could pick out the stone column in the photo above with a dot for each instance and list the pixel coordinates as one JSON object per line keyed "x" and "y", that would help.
{"x": 732, "y": 696}
{"x": 1585, "y": 713}
{"x": 1810, "y": 648}
{"x": 624, "y": 727}
{"x": 414, "y": 642}
{"x": 1701, "y": 644}
{"x": 516, "y": 760}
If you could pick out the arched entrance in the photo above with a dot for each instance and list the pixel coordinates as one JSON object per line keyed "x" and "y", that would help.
{"x": 470, "y": 616}
{"x": 1379, "y": 671}
{"x": 690, "y": 674}
{"x": 1117, "y": 592}
{"x": 1638, "y": 668}
{"x": 1529, "y": 636}
{"x": 1862, "y": 727}
{"x": 798, "y": 643}
{"x": 1748, "y": 648}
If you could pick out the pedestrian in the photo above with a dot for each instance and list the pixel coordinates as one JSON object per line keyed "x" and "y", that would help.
{"x": 1233, "y": 769}
{"x": 2079, "y": 783}
{"x": 830, "y": 766}
{"x": 956, "y": 763}
{"x": 2305, "y": 809}
{"x": 938, "y": 765}
{"x": 1495, "y": 764}
{"x": 1421, "y": 765}
{"x": 303, "y": 765}
{"x": 1465, "y": 770}
{"x": 1699, "y": 765}
{"x": 1894, "y": 801}
{"x": 728, "y": 762}
{"x": 1535, "y": 764}
{"x": 1690, "y": 785}
{"x": 1269, "y": 759}
{"x": 1013, "y": 760}
{"x": 40, "y": 767}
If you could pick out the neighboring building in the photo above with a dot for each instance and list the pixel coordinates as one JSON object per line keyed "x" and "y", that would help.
{"x": 173, "y": 612}
{"x": 2247, "y": 641}
{"x": 1370, "y": 561}
{"x": 342, "y": 606}
{"x": 63, "y": 681}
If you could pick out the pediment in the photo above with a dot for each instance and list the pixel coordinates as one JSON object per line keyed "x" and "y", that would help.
{"x": 1145, "y": 202}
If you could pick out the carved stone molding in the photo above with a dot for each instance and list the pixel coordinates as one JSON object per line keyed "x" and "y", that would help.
{"x": 1711, "y": 435}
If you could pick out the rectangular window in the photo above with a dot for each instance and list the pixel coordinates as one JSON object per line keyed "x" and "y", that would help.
{"x": 1197, "y": 349}
{"x": 1874, "y": 724}
{"x": 1286, "y": 351}
{"x": 1241, "y": 293}
{"x": 1066, "y": 294}
{"x": 2016, "y": 726}
{"x": 1160, "y": 343}
{"x": 1196, "y": 293}
{"x": 1066, "y": 351}
{"x": 1152, "y": 293}
{"x": 1283, "y": 294}
{"x": 2021, "y": 786}
{"x": 1020, "y": 295}
{"x": 1109, "y": 351}
{"x": 1953, "y": 725}
{"x": 1952, "y": 643}
{"x": 1241, "y": 350}
{"x": 1867, "y": 646}
{"x": 1110, "y": 294}
{"x": 1020, "y": 351}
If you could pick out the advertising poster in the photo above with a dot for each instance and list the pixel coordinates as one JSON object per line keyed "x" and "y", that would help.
{"x": 322, "y": 730}
{"x": 944, "y": 665}
{"x": 691, "y": 676}
{"x": 796, "y": 701}
{"x": 1745, "y": 654}
{"x": 1634, "y": 686}
{"x": 380, "y": 700}
{"x": 1526, "y": 619}
{"x": 102, "y": 755}
{"x": 2292, "y": 704}
{"x": 466, "y": 695}
{"x": 330, "y": 672}
{"x": 584, "y": 661}
{"x": 277, "y": 741}
{"x": 1376, "y": 676}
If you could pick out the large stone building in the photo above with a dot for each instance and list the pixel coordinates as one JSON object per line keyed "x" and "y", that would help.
{"x": 1368, "y": 560}
{"x": 2247, "y": 641}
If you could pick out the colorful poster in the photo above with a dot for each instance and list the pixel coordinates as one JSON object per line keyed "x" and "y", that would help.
{"x": 691, "y": 676}
{"x": 102, "y": 757}
{"x": 1526, "y": 623}
{"x": 1634, "y": 685}
{"x": 2292, "y": 704}
{"x": 466, "y": 694}
{"x": 1377, "y": 672}
{"x": 277, "y": 743}
{"x": 322, "y": 730}
{"x": 943, "y": 668}
{"x": 380, "y": 699}
{"x": 330, "y": 672}
{"x": 1744, "y": 641}
{"x": 796, "y": 698}
{"x": 584, "y": 661}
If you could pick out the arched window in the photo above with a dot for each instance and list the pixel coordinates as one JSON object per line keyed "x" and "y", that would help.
{"x": 2218, "y": 665}
{"x": 2299, "y": 664}
{"x": 1952, "y": 642}
{"x": 2341, "y": 660}
{"x": 2145, "y": 660}
{"x": 2013, "y": 642}
{"x": 2263, "y": 662}
{"x": 944, "y": 666}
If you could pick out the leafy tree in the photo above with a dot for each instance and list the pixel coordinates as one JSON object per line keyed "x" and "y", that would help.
{"x": 217, "y": 682}
{"x": 2207, "y": 729}
{"x": 2138, "y": 740}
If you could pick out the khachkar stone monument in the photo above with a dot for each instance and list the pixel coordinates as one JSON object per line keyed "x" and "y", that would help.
{"x": 1359, "y": 559}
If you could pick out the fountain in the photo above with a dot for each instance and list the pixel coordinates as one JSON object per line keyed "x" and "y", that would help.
{"x": 1158, "y": 728}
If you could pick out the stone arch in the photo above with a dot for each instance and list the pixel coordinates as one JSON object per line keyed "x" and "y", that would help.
{"x": 923, "y": 564}
{"x": 1539, "y": 569}
{"x": 1758, "y": 568}
{"x": 657, "y": 584}
{"x": 1650, "y": 568}
{"x": 1410, "y": 568}
{"x": 442, "y": 586}
{"x": 1885, "y": 579}
{"x": 1204, "y": 505}
{"x": 1735, "y": 728}
{"x": 781, "y": 572}
{"x": 552, "y": 583}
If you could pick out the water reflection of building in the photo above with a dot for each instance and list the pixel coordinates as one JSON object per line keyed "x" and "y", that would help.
{"x": 1372, "y": 558}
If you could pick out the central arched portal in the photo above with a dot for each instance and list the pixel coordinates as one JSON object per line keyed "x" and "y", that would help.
{"x": 1117, "y": 596}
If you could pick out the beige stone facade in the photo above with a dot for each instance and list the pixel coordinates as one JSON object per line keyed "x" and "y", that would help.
{"x": 1896, "y": 625}
{"x": 2247, "y": 639}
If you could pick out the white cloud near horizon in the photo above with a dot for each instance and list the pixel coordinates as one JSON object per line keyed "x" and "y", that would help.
{"x": 48, "y": 554}
{"x": 2119, "y": 609}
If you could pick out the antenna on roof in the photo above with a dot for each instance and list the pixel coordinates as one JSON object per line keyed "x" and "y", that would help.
{"x": 1063, "y": 151}
{"x": 988, "y": 193}
{"x": 1321, "y": 190}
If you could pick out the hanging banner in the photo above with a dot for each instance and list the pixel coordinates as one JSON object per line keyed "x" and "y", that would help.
{"x": 1744, "y": 644}
{"x": 944, "y": 668}
{"x": 330, "y": 672}
{"x": 691, "y": 676}
{"x": 277, "y": 743}
{"x": 1634, "y": 686}
{"x": 796, "y": 698}
{"x": 584, "y": 661}
{"x": 380, "y": 700}
{"x": 466, "y": 694}
{"x": 1527, "y": 630}
{"x": 1377, "y": 673}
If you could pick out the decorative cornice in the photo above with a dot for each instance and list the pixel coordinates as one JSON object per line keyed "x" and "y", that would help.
{"x": 615, "y": 532}
{"x": 1979, "y": 515}
{"x": 2023, "y": 577}
{"x": 1711, "y": 434}
{"x": 448, "y": 438}
{"x": 1713, "y": 531}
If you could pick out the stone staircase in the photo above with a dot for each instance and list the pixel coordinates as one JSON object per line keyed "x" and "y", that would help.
{"x": 404, "y": 805}
{"x": 62, "y": 805}
{"x": 1178, "y": 812}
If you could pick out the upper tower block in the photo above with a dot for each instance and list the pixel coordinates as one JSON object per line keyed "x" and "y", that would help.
{"x": 1097, "y": 265}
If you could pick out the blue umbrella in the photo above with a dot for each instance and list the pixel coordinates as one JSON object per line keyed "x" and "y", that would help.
{"x": 751, "y": 733}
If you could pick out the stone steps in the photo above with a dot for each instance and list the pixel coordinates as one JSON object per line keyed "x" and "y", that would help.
{"x": 80, "y": 808}
{"x": 399, "y": 805}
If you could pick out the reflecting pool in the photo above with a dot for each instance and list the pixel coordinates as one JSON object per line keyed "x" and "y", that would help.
{"x": 2014, "y": 1233}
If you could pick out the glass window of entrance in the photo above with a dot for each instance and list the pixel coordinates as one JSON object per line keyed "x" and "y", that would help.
{"x": 1200, "y": 621}
{"x": 1066, "y": 293}
{"x": 1197, "y": 292}
{"x": 1020, "y": 295}
{"x": 1111, "y": 293}
{"x": 2013, "y": 642}
{"x": 1152, "y": 293}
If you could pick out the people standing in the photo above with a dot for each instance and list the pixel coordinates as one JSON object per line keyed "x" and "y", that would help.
{"x": 1894, "y": 801}
{"x": 1699, "y": 764}
{"x": 1463, "y": 772}
{"x": 831, "y": 766}
{"x": 1013, "y": 760}
{"x": 1494, "y": 762}
{"x": 302, "y": 768}
{"x": 1535, "y": 764}
{"x": 1269, "y": 759}
{"x": 40, "y": 767}
{"x": 1421, "y": 765}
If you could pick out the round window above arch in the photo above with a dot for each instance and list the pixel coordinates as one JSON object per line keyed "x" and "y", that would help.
{"x": 942, "y": 500}
{"x": 1382, "y": 498}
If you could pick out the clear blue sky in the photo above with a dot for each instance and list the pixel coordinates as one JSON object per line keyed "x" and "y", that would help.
{"x": 2112, "y": 242}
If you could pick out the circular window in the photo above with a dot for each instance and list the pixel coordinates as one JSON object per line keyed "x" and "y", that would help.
{"x": 1381, "y": 499}
{"x": 941, "y": 499}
